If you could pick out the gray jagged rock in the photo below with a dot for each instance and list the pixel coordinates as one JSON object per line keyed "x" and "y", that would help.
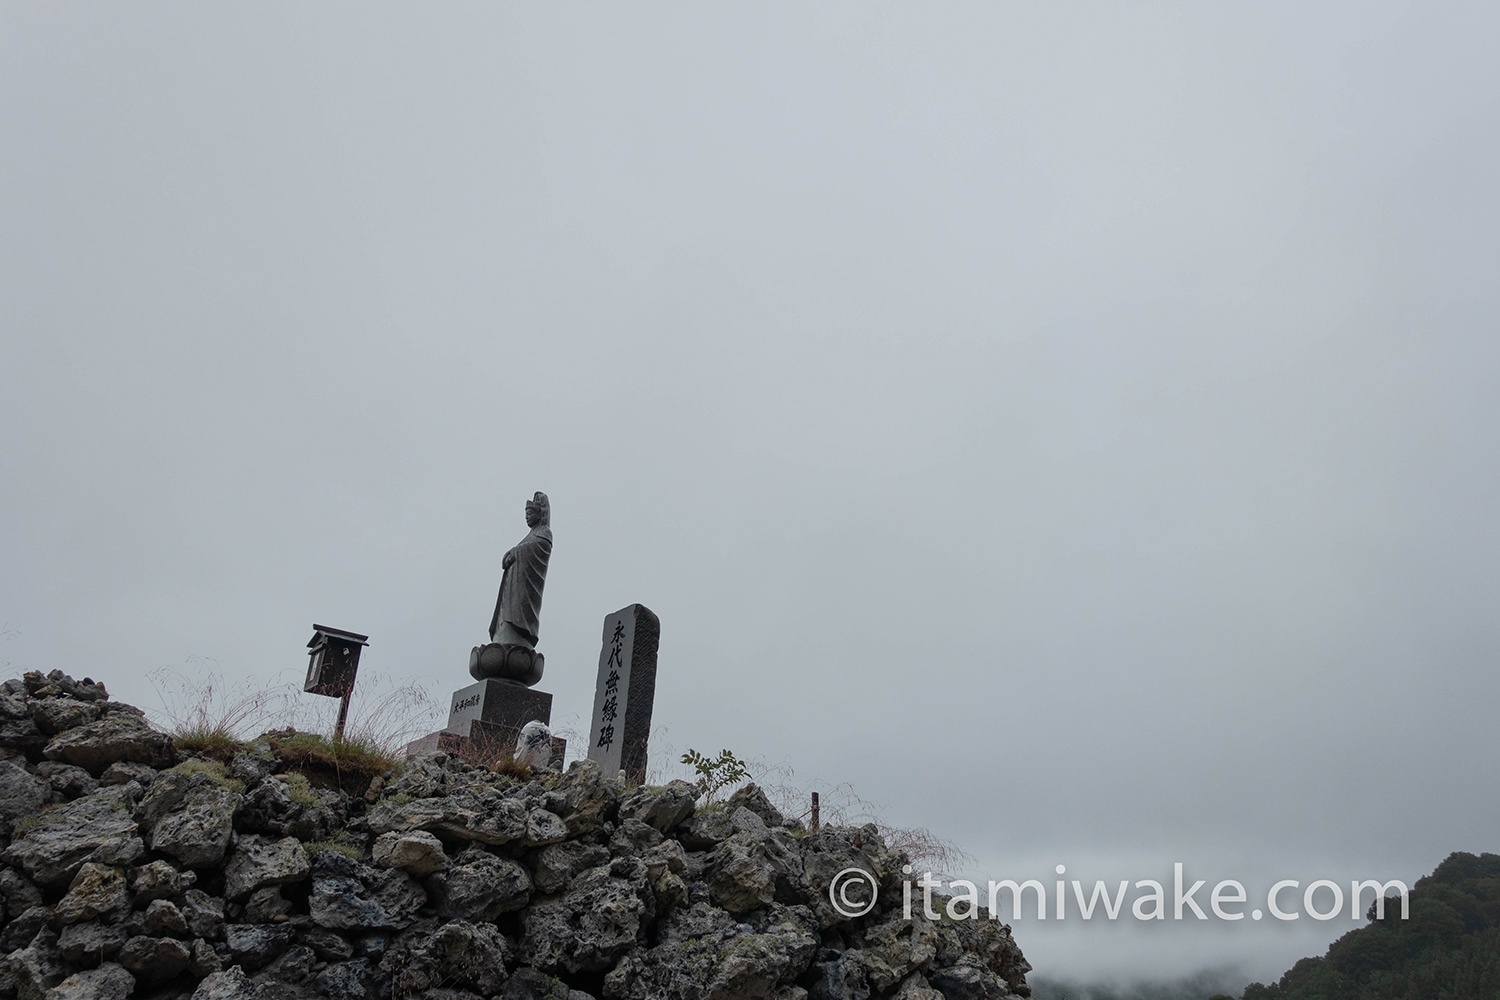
{"x": 417, "y": 852}
{"x": 37, "y": 967}
{"x": 159, "y": 880}
{"x": 88, "y": 942}
{"x": 480, "y": 813}
{"x": 204, "y": 914}
{"x": 97, "y": 892}
{"x": 740, "y": 877}
{"x": 108, "y": 982}
{"x": 589, "y": 798}
{"x": 751, "y": 796}
{"x": 190, "y": 816}
{"x": 662, "y": 807}
{"x": 706, "y": 952}
{"x": 25, "y": 926}
{"x": 705, "y": 829}
{"x": 231, "y": 984}
{"x": 556, "y": 865}
{"x": 163, "y": 919}
{"x": 257, "y": 862}
{"x": 55, "y": 715}
{"x": 287, "y": 806}
{"x": 17, "y": 731}
{"x": 21, "y": 794}
{"x": 154, "y": 960}
{"x": 253, "y": 946}
{"x": 632, "y": 836}
{"x": 67, "y": 780}
{"x": 117, "y": 736}
{"x": 479, "y": 885}
{"x": 95, "y": 828}
{"x": 456, "y": 955}
{"x": 347, "y": 895}
{"x": 17, "y": 891}
{"x": 122, "y": 771}
{"x": 591, "y": 926}
{"x": 969, "y": 982}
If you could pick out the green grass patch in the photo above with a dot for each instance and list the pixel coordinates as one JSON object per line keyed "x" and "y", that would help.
{"x": 341, "y": 842}
{"x": 346, "y": 764}
{"x": 214, "y": 770}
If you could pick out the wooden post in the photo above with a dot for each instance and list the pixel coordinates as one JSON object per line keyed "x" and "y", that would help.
{"x": 338, "y": 727}
{"x": 815, "y": 812}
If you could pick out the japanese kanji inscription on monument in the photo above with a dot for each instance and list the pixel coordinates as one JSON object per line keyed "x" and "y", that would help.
{"x": 625, "y": 691}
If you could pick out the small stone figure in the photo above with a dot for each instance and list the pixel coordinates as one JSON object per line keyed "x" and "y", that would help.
{"x": 511, "y": 653}
{"x": 534, "y": 745}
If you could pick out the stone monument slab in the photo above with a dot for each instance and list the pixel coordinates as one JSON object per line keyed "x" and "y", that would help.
{"x": 625, "y": 691}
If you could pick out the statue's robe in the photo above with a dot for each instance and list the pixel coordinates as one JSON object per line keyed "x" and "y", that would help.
{"x": 520, "y": 600}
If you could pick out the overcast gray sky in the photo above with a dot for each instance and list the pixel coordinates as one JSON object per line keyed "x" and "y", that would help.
{"x": 1073, "y": 426}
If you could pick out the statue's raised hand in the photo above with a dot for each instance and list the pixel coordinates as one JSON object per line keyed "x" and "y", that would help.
{"x": 510, "y": 557}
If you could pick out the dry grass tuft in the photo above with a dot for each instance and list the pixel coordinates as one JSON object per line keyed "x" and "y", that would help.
{"x": 205, "y": 715}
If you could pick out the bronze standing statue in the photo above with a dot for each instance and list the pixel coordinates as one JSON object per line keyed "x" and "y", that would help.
{"x": 511, "y": 653}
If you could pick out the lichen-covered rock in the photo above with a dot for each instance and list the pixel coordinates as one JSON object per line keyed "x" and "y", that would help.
{"x": 288, "y": 806}
{"x": 231, "y": 984}
{"x": 117, "y": 736}
{"x": 95, "y": 828}
{"x": 54, "y": 715}
{"x": 589, "y": 798}
{"x": 108, "y": 982}
{"x": 159, "y": 880}
{"x": 751, "y": 796}
{"x": 479, "y": 885}
{"x": 705, "y": 952}
{"x": 544, "y": 827}
{"x": 347, "y": 895}
{"x": 455, "y": 955}
{"x": 591, "y": 926}
{"x": 833, "y": 849}
{"x": 631, "y": 836}
{"x": 21, "y": 794}
{"x": 96, "y": 892}
{"x": 479, "y": 813}
{"x": 190, "y": 816}
{"x": 556, "y": 865}
{"x": 417, "y": 852}
{"x": 661, "y": 808}
{"x": 739, "y": 875}
{"x": 260, "y": 861}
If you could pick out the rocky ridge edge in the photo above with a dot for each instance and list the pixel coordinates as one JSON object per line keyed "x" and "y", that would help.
{"x": 130, "y": 869}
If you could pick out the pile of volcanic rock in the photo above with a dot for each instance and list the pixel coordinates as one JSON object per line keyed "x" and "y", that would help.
{"x": 129, "y": 869}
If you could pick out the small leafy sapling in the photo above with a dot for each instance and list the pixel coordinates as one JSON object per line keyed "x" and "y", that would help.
{"x": 716, "y": 773}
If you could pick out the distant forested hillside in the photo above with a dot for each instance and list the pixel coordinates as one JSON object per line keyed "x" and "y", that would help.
{"x": 1448, "y": 950}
